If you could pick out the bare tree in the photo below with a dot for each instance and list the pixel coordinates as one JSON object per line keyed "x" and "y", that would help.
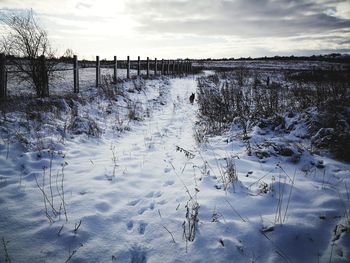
{"x": 27, "y": 43}
{"x": 68, "y": 53}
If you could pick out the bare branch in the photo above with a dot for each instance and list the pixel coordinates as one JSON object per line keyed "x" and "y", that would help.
{"x": 25, "y": 41}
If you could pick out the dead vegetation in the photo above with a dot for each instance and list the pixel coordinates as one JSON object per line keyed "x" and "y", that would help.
{"x": 247, "y": 99}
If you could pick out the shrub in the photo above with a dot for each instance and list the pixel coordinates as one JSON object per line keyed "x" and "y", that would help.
{"x": 80, "y": 125}
{"x": 242, "y": 97}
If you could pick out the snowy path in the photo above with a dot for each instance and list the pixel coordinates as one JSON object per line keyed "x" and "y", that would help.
{"x": 130, "y": 193}
{"x": 123, "y": 216}
{"x": 130, "y": 208}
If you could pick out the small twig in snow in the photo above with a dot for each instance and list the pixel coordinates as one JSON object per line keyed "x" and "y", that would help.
{"x": 76, "y": 228}
{"x": 171, "y": 234}
{"x": 7, "y": 257}
{"x": 234, "y": 210}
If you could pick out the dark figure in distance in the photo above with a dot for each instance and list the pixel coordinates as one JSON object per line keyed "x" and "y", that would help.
{"x": 192, "y": 98}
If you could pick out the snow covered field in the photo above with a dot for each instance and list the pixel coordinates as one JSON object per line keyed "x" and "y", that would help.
{"x": 270, "y": 65}
{"x": 127, "y": 181}
{"x": 63, "y": 83}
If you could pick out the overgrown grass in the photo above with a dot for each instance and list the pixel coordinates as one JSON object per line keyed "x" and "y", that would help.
{"x": 247, "y": 98}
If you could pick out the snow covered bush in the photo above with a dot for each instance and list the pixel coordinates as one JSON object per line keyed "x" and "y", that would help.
{"x": 191, "y": 223}
{"x": 138, "y": 84}
{"x": 109, "y": 89}
{"x": 80, "y": 125}
{"x": 134, "y": 111}
{"x": 230, "y": 174}
{"x": 333, "y": 132}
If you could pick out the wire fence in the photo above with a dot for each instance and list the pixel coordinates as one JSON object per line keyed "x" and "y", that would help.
{"x": 61, "y": 77}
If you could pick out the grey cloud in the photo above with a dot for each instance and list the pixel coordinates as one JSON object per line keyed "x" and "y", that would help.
{"x": 309, "y": 52}
{"x": 246, "y": 28}
{"x": 82, "y": 5}
{"x": 254, "y": 18}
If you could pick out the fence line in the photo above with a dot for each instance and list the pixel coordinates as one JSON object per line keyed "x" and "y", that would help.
{"x": 147, "y": 67}
{"x": 76, "y": 74}
{"x": 138, "y": 66}
{"x": 165, "y": 68}
{"x": 98, "y": 71}
{"x": 128, "y": 69}
{"x": 3, "y": 82}
{"x": 115, "y": 69}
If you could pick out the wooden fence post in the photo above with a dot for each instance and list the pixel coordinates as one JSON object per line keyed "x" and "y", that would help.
{"x": 147, "y": 67}
{"x": 98, "y": 71}
{"x": 44, "y": 78}
{"x": 128, "y": 68}
{"x": 168, "y": 67}
{"x": 173, "y": 68}
{"x": 115, "y": 64}
{"x": 3, "y": 82}
{"x": 76, "y": 74}
{"x": 138, "y": 66}
{"x": 162, "y": 73}
{"x": 155, "y": 66}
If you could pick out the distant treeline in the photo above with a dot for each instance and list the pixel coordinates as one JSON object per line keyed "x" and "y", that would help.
{"x": 333, "y": 57}
{"x": 60, "y": 59}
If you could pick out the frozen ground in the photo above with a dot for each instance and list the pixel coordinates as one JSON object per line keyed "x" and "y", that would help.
{"x": 131, "y": 197}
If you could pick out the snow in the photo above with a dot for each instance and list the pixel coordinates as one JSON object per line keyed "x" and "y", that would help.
{"x": 61, "y": 82}
{"x": 130, "y": 184}
{"x": 271, "y": 65}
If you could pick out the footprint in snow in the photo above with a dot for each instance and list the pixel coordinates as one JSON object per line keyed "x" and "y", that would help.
{"x": 167, "y": 170}
{"x": 143, "y": 209}
{"x": 103, "y": 207}
{"x": 157, "y": 194}
{"x": 142, "y": 228}
{"x": 138, "y": 255}
{"x": 154, "y": 194}
{"x": 156, "y": 134}
{"x": 167, "y": 183}
{"x": 162, "y": 202}
{"x": 134, "y": 202}
{"x": 130, "y": 225}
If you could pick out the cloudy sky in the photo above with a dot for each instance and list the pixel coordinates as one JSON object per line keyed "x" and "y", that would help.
{"x": 193, "y": 28}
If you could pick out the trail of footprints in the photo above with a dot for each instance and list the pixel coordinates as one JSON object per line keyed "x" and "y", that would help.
{"x": 150, "y": 207}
